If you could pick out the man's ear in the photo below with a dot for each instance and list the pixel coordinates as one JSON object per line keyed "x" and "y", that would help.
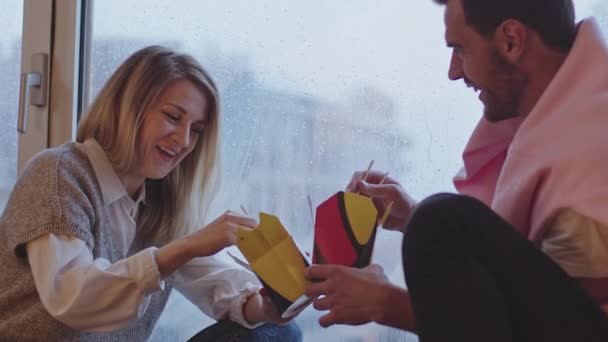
{"x": 510, "y": 39}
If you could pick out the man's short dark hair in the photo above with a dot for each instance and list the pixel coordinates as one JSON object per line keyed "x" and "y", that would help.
{"x": 553, "y": 20}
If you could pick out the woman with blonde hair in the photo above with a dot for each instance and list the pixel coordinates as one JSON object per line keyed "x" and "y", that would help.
{"x": 97, "y": 232}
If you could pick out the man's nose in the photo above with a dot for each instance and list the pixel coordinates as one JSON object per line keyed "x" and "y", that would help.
{"x": 455, "y": 73}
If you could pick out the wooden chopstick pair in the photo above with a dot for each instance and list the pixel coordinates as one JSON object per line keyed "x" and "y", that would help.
{"x": 387, "y": 211}
{"x": 389, "y": 207}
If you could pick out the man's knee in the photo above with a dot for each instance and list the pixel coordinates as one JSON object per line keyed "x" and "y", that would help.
{"x": 440, "y": 218}
{"x": 438, "y": 209}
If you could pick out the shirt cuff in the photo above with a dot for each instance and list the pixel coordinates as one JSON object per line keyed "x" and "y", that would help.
{"x": 151, "y": 279}
{"x": 237, "y": 306}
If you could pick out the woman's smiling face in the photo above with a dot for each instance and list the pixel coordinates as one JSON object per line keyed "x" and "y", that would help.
{"x": 171, "y": 128}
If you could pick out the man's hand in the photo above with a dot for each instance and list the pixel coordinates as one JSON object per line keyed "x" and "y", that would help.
{"x": 351, "y": 295}
{"x": 382, "y": 194}
{"x": 357, "y": 296}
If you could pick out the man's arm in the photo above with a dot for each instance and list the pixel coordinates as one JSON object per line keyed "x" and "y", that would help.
{"x": 397, "y": 308}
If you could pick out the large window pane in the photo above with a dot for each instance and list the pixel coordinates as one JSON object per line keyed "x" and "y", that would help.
{"x": 11, "y": 18}
{"x": 595, "y": 8}
{"x": 311, "y": 91}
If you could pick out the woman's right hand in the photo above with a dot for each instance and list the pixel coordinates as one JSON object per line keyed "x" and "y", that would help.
{"x": 382, "y": 195}
{"x": 219, "y": 234}
{"x": 206, "y": 241}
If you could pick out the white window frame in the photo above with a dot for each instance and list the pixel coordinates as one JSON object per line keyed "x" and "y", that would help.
{"x": 66, "y": 65}
{"x": 54, "y": 28}
{"x": 36, "y": 38}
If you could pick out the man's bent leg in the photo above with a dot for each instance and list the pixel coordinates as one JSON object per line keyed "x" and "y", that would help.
{"x": 473, "y": 277}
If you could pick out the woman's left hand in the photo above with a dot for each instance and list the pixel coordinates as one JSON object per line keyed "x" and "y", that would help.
{"x": 259, "y": 308}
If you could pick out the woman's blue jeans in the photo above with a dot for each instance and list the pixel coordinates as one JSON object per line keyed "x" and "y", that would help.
{"x": 228, "y": 331}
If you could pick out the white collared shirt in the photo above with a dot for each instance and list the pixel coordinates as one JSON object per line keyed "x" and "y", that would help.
{"x": 95, "y": 295}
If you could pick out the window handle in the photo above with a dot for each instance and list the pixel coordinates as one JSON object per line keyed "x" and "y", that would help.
{"x": 33, "y": 89}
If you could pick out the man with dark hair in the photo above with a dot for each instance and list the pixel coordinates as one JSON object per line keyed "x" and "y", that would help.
{"x": 553, "y": 20}
{"x": 521, "y": 254}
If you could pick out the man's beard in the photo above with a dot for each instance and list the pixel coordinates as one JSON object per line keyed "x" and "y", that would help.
{"x": 504, "y": 100}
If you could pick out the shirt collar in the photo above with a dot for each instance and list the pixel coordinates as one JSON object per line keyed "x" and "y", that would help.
{"x": 112, "y": 188}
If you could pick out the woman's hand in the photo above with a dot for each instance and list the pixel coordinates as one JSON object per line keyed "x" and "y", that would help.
{"x": 382, "y": 195}
{"x": 207, "y": 241}
{"x": 219, "y": 234}
{"x": 259, "y": 308}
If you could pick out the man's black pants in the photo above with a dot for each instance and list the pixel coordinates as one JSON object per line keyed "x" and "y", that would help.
{"x": 473, "y": 277}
